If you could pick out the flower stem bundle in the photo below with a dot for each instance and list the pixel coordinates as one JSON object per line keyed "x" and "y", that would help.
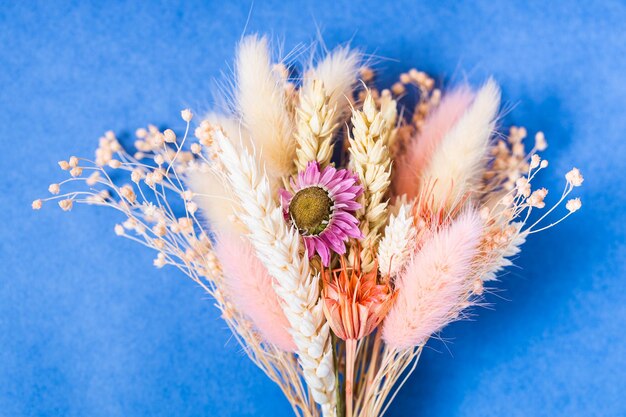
{"x": 337, "y": 227}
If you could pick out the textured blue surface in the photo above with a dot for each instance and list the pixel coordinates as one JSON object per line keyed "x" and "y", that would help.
{"x": 89, "y": 328}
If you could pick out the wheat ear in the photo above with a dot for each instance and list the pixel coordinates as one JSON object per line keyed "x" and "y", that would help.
{"x": 317, "y": 122}
{"x": 371, "y": 161}
{"x": 278, "y": 247}
{"x": 398, "y": 244}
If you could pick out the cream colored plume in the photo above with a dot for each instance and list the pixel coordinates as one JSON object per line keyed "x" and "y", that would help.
{"x": 262, "y": 103}
{"x": 211, "y": 194}
{"x": 339, "y": 72}
{"x": 458, "y": 163}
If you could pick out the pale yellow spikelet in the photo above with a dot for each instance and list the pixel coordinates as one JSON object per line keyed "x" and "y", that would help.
{"x": 371, "y": 161}
{"x": 398, "y": 244}
{"x": 316, "y": 125}
{"x": 389, "y": 110}
{"x": 458, "y": 163}
{"x": 262, "y": 104}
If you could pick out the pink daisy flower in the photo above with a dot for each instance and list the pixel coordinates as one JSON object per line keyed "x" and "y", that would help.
{"x": 322, "y": 207}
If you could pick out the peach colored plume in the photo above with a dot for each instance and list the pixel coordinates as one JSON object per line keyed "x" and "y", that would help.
{"x": 249, "y": 288}
{"x": 421, "y": 148}
{"x": 435, "y": 285}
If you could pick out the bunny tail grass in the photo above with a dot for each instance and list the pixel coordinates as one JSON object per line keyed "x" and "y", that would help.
{"x": 434, "y": 287}
{"x": 458, "y": 163}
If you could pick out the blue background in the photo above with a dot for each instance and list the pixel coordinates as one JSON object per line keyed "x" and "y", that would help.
{"x": 89, "y": 328}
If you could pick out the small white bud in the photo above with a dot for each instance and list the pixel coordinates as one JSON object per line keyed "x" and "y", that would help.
{"x": 170, "y": 136}
{"x": 187, "y": 195}
{"x": 574, "y": 177}
{"x": 540, "y": 141}
{"x": 535, "y": 160}
{"x": 136, "y": 175}
{"x": 573, "y": 205}
{"x": 187, "y": 115}
{"x": 67, "y": 204}
{"x": 54, "y": 188}
{"x": 93, "y": 178}
{"x": 141, "y": 133}
{"x": 114, "y": 163}
{"x": 159, "y": 262}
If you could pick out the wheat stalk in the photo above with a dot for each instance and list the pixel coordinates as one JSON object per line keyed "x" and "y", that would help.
{"x": 278, "y": 247}
{"x": 371, "y": 161}
{"x": 316, "y": 122}
{"x": 398, "y": 243}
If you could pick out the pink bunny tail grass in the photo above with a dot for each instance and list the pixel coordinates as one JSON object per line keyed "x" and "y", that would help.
{"x": 420, "y": 148}
{"x": 436, "y": 284}
{"x": 249, "y": 287}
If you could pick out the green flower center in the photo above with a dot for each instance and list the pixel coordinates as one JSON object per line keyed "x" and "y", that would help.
{"x": 310, "y": 210}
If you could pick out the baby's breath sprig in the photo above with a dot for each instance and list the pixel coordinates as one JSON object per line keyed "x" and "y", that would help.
{"x": 508, "y": 199}
{"x": 176, "y": 233}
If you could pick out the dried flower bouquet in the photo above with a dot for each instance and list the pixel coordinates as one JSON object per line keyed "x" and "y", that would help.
{"x": 337, "y": 228}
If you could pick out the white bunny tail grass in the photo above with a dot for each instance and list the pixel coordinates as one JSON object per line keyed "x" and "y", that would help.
{"x": 213, "y": 198}
{"x": 278, "y": 247}
{"x": 339, "y": 72}
{"x": 398, "y": 244}
{"x": 212, "y": 195}
{"x": 458, "y": 163}
{"x": 262, "y": 104}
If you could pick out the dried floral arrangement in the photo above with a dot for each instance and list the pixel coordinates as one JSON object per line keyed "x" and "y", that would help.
{"x": 337, "y": 229}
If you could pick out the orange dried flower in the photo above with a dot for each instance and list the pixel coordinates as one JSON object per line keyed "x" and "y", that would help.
{"x": 354, "y": 302}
